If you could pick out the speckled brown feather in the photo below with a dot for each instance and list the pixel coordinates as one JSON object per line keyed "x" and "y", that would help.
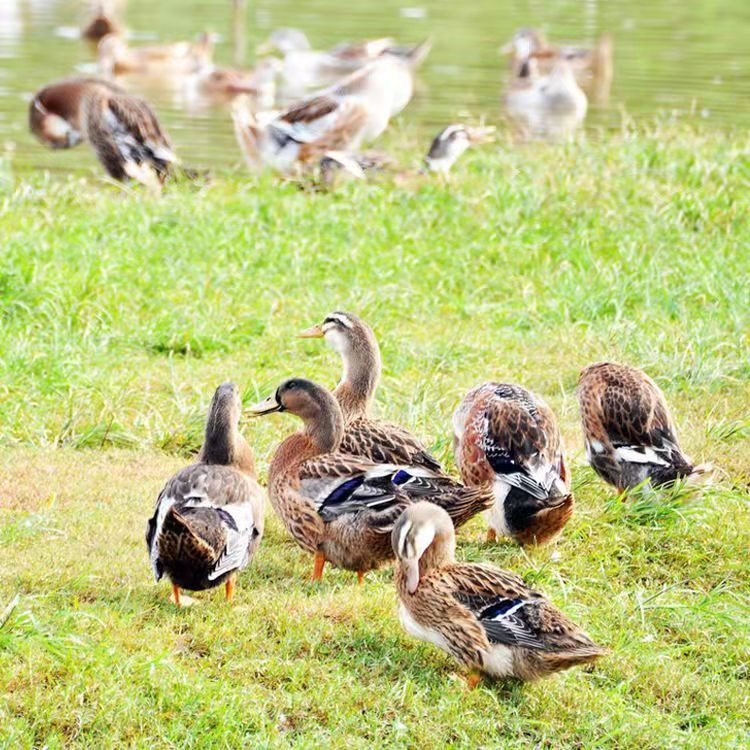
{"x": 622, "y": 406}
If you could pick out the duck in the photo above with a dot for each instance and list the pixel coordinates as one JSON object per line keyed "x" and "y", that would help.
{"x": 338, "y": 506}
{"x": 357, "y": 109}
{"x": 304, "y": 69}
{"x": 451, "y": 142}
{"x": 486, "y": 618}
{"x": 116, "y": 57}
{"x": 208, "y": 520}
{"x": 550, "y": 105}
{"x": 101, "y": 24}
{"x": 259, "y": 84}
{"x": 628, "y": 431}
{"x": 122, "y": 129}
{"x": 592, "y": 66}
{"x": 507, "y": 438}
{"x": 364, "y": 435}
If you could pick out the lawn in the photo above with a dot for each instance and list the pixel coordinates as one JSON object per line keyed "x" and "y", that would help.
{"x": 119, "y": 316}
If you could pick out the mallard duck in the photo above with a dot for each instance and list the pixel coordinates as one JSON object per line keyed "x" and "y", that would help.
{"x": 364, "y": 435}
{"x": 592, "y": 66}
{"x": 486, "y": 618}
{"x": 451, "y": 142}
{"x": 357, "y": 109}
{"x": 507, "y": 438}
{"x": 101, "y": 24}
{"x": 116, "y": 57}
{"x": 628, "y": 431}
{"x": 304, "y": 69}
{"x": 222, "y": 82}
{"x": 208, "y": 520}
{"x": 342, "y": 507}
{"x": 122, "y": 129}
{"x": 546, "y": 106}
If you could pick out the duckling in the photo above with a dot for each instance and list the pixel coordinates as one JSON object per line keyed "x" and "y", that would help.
{"x": 304, "y": 69}
{"x": 592, "y": 67}
{"x": 208, "y": 520}
{"x": 451, "y": 142}
{"x": 340, "y": 118}
{"x": 342, "y": 507}
{"x": 100, "y": 25}
{"x": 365, "y": 436}
{"x": 507, "y": 438}
{"x": 116, "y": 57}
{"x": 629, "y": 434}
{"x": 484, "y": 617}
{"x": 122, "y": 129}
{"x": 546, "y": 106}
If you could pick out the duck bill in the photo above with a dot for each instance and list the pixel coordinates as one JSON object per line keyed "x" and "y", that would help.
{"x": 481, "y": 134}
{"x": 267, "y": 406}
{"x": 315, "y": 332}
{"x": 410, "y": 566}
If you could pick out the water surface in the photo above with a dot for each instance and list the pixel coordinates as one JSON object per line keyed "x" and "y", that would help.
{"x": 688, "y": 59}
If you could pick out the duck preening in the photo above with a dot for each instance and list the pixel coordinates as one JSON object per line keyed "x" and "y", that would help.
{"x": 208, "y": 520}
{"x": 485, "y": 617}
{"x": 341, "y": 507}
{"x": 122, "y": 129}
{"x": 355, "y": 110}
{"x": 629, "y": 434}
{"x": 507, "y": 439}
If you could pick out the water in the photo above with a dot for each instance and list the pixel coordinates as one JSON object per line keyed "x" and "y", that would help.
{"x": 671, "y": 57}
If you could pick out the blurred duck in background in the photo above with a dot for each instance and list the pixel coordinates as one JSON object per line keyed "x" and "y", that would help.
{"x": 122, "y": 129}
{"x": 101, "y": 24}
{"x": 547, "y": 106}
{"x": 340, "y": 118}
{"x": 451, "y": 142}
{"x": 305, "y": 69}
{"x": 116, "y": 57}
{"x": 216, "y": 83}
{"x": 591, "y": 66}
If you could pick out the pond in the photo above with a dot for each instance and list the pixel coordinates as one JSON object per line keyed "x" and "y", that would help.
{"x": 671, "y": 57}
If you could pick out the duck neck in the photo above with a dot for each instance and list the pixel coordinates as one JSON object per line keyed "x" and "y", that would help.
{"x": 359, "y": 380}
{"x": 224, "y": 445}
{"x": 440, "y": 553}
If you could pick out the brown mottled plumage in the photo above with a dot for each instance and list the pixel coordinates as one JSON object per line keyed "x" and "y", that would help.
{"x": 116, "y": 57}
{"x": 486, "y": 618}
{"x": 507, "y": 438}
{"x": 629, "y": 433}
{"x": 339, "y": 506}
{"x": 122, "y": 129}
{"x": 365, "y": 436}
{"x": 208, "y": 520}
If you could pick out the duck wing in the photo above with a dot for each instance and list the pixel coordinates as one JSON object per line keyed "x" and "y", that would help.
{"x": 510, "y": 612}
{"x": 384, "y": 442}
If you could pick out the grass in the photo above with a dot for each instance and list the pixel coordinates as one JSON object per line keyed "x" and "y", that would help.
{"x": 119, "y": 316}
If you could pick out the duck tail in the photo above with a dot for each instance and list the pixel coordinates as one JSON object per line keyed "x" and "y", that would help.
{"x": 556, "y": 661}
{"x": 179, "y": 541}
{"x": 468, "y": 502}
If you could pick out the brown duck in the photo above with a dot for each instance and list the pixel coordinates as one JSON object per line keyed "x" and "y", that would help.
{"x": 364, "y": 435}
{"x": 629, "y": 434}
{"x": 342, "y": 507}
{"x": 507, "y": 439}
{"x": 486, "y": 618}
{"x": 122, "y": 129}
{"x": 208, "y": 520}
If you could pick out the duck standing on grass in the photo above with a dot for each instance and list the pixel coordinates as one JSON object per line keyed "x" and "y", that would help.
{"x": 507, "y": 439}
{"x": 486, "y": 618}
{"x": 208, "y": 521}
{"x": 122, "y": 129}
{"x": 451, "y": 142}
{"x": 340, "y": 507}
{"x": 629, "y": 434}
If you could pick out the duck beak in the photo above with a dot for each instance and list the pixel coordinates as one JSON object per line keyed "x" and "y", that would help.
{"x": 410, "y": 566}
{"x": 481, "y": 134}
{"x": 267, "y": 406}
{"x": 316, "y": 332}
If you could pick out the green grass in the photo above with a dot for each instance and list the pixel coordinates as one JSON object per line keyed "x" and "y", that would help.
{"x": 118, "y": 317}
